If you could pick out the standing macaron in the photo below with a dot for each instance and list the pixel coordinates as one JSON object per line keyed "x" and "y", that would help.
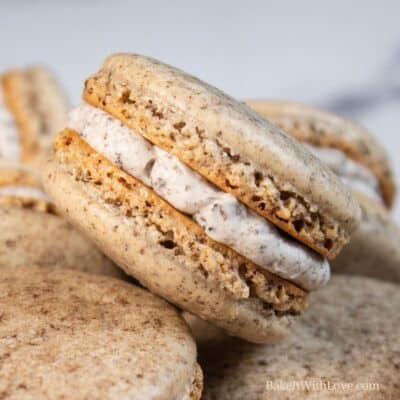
{"x": 199, "y": 198}
{"x": 32, "y": 233}
{"x": 69, "y": 335}
{"x": 346, "y": 347}
{"x": 33, "y": 107}
{"x": 361, "y": 163}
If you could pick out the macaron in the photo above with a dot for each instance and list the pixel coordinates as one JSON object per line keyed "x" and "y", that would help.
{"x": 347, "y": 346}
{"x": 198, "y": 197}
{"x": 363, "y": 164}
{"x": 33, "y": 107}
{"x": 70, "y": 335}
{"x": 31, "y": 232}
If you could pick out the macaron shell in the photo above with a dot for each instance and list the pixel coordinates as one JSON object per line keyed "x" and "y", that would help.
{"x": 229, "y": 145}
{"x": 66, "y": 334}
{"x": 28, "y": 236}
{"x": 374, "y": 249}
{"x": 350, "y": 335}
{"x": 320, "y": 128}
{"x": 166, "y": 251}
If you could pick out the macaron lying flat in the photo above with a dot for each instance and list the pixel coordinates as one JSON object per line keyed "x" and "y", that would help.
{"x": 33, "y": 108}
{"x": 348, "y": 340}
{"x": 69, "y": 335}
{"x": 165, "y": 173}
{"x": 362, "y": 164}
{"x": 32, "y": 233}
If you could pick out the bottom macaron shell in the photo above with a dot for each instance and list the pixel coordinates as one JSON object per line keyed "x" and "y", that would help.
{"x": 374, "y": 249}
{"x": 69, "y": 335}
{"x": 348, "y": 340}
{"x": 166, "y": 251}
{"x": 31, "y": 237}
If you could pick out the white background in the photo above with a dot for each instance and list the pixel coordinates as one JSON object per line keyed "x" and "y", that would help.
{"x": 319, "y": 52}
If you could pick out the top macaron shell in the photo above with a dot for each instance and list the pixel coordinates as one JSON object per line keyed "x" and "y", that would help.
{"x": 323, "y": 129}
{"x": 71, "y": 335}
{"x": 229, "y": 145}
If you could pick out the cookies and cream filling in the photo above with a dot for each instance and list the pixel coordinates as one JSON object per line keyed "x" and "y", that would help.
{"x": 28, "y": 192}
{"x": 10, "y": 146}
{"x": 222, "y": 216}
{"x": 351, "y": 173}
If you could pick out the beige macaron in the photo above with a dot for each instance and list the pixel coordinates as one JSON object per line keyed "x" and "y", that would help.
{"x": 31, "y": 232}
{"x": 199, "y": 198}
{"x": 347, "y": 346}
{"x": 33, "y": 107}
{"x": 363, "y": 164}
{"x": 69, "y": 335}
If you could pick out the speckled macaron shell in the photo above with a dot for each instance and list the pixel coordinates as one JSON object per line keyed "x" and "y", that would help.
{"x": 32, "y": 232}
{"x": 28, "y": 236}
{"x": 164, "y": 249}
{"x": 228, "y": 144}
{"x": 322, "y": 129}
{"x": 374, "y": 247}
{"x": 22, "y": 89}
{"x": 67, "y": 334}
{"x": 350, "y": 335}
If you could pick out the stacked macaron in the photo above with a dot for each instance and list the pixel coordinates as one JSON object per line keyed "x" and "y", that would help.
{"x": 33, "y": 108}
{"x": 362, "y": 163}
{"x": 199, "y": 198}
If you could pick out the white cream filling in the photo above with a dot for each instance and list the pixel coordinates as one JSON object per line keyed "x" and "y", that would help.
{"x": 24, "y": 192}
{"x": 351, "y": 173}
{"x": 221, "y": 215}
{"x": 10, "y": 146}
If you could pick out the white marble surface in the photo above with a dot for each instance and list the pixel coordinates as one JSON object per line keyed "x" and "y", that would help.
{"x": 342, "y": 55}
